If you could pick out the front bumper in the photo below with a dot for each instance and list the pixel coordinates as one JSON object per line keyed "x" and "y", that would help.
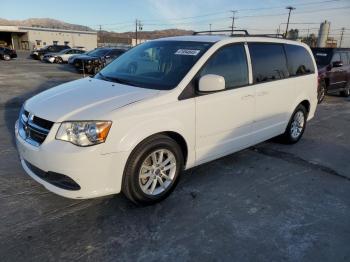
{"x": 96, "y": 173}
{"x": 49, "y": 59}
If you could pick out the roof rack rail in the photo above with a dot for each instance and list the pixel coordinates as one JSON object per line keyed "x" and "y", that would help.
{"x": 243, "y": 32}
{"x": 269, "y": 35}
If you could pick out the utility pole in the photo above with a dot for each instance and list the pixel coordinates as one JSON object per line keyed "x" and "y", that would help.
{"x": 138, "y": 27}
{"x": 342, "y": 35}
{"x": 101, "y": 35}
{"x": 209, "y": 28}
{"x": 290, "y": 8}
{"x": 136, "y": 32}
{"x": 233, "y": 21}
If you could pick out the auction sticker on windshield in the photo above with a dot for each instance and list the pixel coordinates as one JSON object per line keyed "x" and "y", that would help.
{"x": 321, "y": 54}
{"x": 187, "y": 52}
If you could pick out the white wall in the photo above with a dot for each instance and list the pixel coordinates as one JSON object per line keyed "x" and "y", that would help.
{"x": 88, "y": 40}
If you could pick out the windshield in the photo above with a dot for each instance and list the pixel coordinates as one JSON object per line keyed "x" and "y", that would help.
{"x": 64, "y": 51}
{"x": 322, "y": 56}
{"x": 98, "y": 52}
{"x": 155, "y": 65}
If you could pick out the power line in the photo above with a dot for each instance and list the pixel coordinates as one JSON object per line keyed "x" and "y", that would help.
{"x": 224, "y": 12}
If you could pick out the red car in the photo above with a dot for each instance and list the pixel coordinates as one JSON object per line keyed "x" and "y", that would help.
{"x": 333, "y": 71}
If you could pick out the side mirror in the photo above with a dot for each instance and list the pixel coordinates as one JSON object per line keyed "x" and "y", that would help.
{"x": 337, "y": 64}
{"x": 211, "y": 83}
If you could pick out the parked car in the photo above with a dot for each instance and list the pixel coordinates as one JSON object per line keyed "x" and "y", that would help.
{"x": 95, "y": 60}
{"x": 135, "y": 126}
{"x": 39, "y": 54}
{"x": 63, "y": 56}
{"x": 7, "y": 53}
{"x": 334, "y": 71}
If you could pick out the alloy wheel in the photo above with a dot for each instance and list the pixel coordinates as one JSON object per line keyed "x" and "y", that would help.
{"x": 157, "y": 172}
{"x": 297, "y": 125}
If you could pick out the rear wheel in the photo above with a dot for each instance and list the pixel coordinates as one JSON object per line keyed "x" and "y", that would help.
{"x": 346, "y": 91}
{"x": 296, "y": 126}
{"x": 153, "y": 170}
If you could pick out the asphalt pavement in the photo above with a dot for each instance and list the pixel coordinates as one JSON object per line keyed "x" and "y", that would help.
{"x": 271, "y": 202}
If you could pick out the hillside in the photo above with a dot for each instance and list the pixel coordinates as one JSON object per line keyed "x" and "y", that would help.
{"x": 106, "y": 35}
{"x": 45, "y": 22}
{"x": 148, "y": 34}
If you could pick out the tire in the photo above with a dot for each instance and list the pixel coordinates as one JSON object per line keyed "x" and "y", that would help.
{"x": 296, "y": 126}
{"x": 95, "y": 70}
{"x": 41, "y": 57}
{"x": 346, "y": 92}
{"x": 143, "y": 173}
{"x": 59, "y": 60}
{"x": 7, "y": 57}
{"x": 321, "y": 92}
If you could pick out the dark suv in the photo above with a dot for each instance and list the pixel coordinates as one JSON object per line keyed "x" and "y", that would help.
{"x": 7, "y": 53}
{"x": 333, "y": 71}
{"x": 95, "y": 60}
{"x": 39, "y": 54}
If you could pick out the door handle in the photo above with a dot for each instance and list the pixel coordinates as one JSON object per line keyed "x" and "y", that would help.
{"x": 247, "y": 97}
{"x": 263, "y": 93}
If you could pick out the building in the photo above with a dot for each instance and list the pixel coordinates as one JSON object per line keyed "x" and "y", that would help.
{"x": 107, "y": 39}
{"x": 29, "y": 38}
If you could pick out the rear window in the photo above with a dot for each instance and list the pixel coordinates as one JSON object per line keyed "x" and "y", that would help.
{"x": 268, "y": 62}
{"x": 322, "y": 56}
{"x": 299, "y": 60}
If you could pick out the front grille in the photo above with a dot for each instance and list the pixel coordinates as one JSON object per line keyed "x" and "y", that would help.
{"x": 33, "y": 129}
{"x": 56, "y": 179}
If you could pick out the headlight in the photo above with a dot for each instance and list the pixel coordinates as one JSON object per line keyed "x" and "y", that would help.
{"x": 84, "y": 133}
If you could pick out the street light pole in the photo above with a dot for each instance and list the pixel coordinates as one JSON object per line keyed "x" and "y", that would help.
{"x": 290, "y": 10}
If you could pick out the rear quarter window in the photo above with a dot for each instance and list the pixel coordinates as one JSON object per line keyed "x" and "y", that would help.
{"x": 268, "y": 62}
{"x": 299, "y": 60}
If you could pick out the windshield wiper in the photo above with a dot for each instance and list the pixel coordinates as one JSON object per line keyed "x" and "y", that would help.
{"x": 116, "y": 80}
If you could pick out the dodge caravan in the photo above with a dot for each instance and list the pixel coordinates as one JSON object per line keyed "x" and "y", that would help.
{"x": 163, "y": 107}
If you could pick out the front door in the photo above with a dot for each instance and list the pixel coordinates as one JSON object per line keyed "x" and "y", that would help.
{"x": 224, "y": 118}
{"x": 337, "y": 75}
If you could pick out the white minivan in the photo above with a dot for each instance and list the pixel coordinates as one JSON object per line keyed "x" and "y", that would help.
{"x": 162, "y": 107}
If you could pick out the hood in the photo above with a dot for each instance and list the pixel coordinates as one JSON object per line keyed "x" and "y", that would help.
{"x": 86, "y": 57}
{"x": 322, "y": 69}
{"x": 84, "y": 99}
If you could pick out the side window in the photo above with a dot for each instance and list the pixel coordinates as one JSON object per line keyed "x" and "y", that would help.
{"x": 299, "y": 60}
{"x": 336, "y": 57}
{"x": 231, "y": 63}
{"x": 268, "y": 62}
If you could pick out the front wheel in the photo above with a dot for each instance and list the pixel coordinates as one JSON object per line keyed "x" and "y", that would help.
{"x": 322, "y": 90}
{"x": 153, "y": 170}
{"x": 59, "y": 60}
{"x": 296, "y": 126}
{"x": 7, "y": 57}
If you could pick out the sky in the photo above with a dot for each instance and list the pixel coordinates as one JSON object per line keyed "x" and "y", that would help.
{"x": 255, "y": 15}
